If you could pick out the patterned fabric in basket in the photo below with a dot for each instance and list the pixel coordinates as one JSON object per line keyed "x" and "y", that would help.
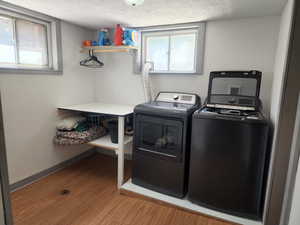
{"x": 76, "y": 137}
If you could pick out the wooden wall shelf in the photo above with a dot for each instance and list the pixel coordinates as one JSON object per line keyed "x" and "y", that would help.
{"x": 100, "y": 49}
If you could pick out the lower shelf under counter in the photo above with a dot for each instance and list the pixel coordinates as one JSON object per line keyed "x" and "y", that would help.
{"x": 105, "y": 142}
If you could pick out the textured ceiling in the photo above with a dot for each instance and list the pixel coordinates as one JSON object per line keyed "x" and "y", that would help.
{"x": 103, "y": 13}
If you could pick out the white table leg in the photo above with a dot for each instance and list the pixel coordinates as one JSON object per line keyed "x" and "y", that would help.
{"x": 120, "y": 152}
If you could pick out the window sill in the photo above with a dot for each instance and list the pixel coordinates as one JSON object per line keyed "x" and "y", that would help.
{"x": 176, "y": 74}
{"x": 172, "y": 73}
{"x": 30, "y": 71}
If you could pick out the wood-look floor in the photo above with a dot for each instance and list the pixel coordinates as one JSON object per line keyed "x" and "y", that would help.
{"x": 93, "y": 200}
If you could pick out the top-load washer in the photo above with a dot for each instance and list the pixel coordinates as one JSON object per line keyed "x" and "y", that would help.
{"x": 161, "y": 142}
{"x": 229, "y": 154}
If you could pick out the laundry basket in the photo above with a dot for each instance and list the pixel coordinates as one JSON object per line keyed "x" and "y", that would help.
{"x": 94, "y": 120}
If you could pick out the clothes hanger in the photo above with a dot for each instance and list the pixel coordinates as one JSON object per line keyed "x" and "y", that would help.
{"x": 92, "y": 61}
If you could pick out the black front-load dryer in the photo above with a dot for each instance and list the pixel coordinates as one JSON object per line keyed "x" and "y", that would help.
{"x": 162, "y": 142}
{"x": 229, "y": 161}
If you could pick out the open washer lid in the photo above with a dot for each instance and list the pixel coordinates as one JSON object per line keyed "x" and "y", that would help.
{"x": 234, "y": 90}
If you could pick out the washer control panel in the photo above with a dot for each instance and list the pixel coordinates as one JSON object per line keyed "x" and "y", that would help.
{"x": 176, "y": 98}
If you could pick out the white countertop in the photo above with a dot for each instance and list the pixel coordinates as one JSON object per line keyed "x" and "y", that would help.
{"x": 101, "y": 108}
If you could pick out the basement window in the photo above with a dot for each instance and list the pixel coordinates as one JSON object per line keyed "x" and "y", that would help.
{"x": 176, "y": 49}
{"x": 29, "y": 41}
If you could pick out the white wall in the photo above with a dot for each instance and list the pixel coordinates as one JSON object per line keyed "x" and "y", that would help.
{"x": 279, "y": 74}
{"x": 230, "y": 45}
{"x": 280, "y": 67}
{"x": 29, "y": 108}
{"x": 280, "y": 60}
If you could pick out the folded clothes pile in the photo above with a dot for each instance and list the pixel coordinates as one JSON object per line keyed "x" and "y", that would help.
{"x": 70, "y": 123}
{"x": 75, "y": 130}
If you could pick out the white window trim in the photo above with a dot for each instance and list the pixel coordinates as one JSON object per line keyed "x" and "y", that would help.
{"x": 199, "y": 27}
{"x": 54, "y": 46}
{"x": 169, "y": 35}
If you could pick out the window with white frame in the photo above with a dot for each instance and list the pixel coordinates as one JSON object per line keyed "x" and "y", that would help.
{"x": 174, "y": 49}
{"x": 29, "y": 41}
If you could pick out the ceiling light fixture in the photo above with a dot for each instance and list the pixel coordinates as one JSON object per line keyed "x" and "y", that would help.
{"x": 134, "y": 2}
